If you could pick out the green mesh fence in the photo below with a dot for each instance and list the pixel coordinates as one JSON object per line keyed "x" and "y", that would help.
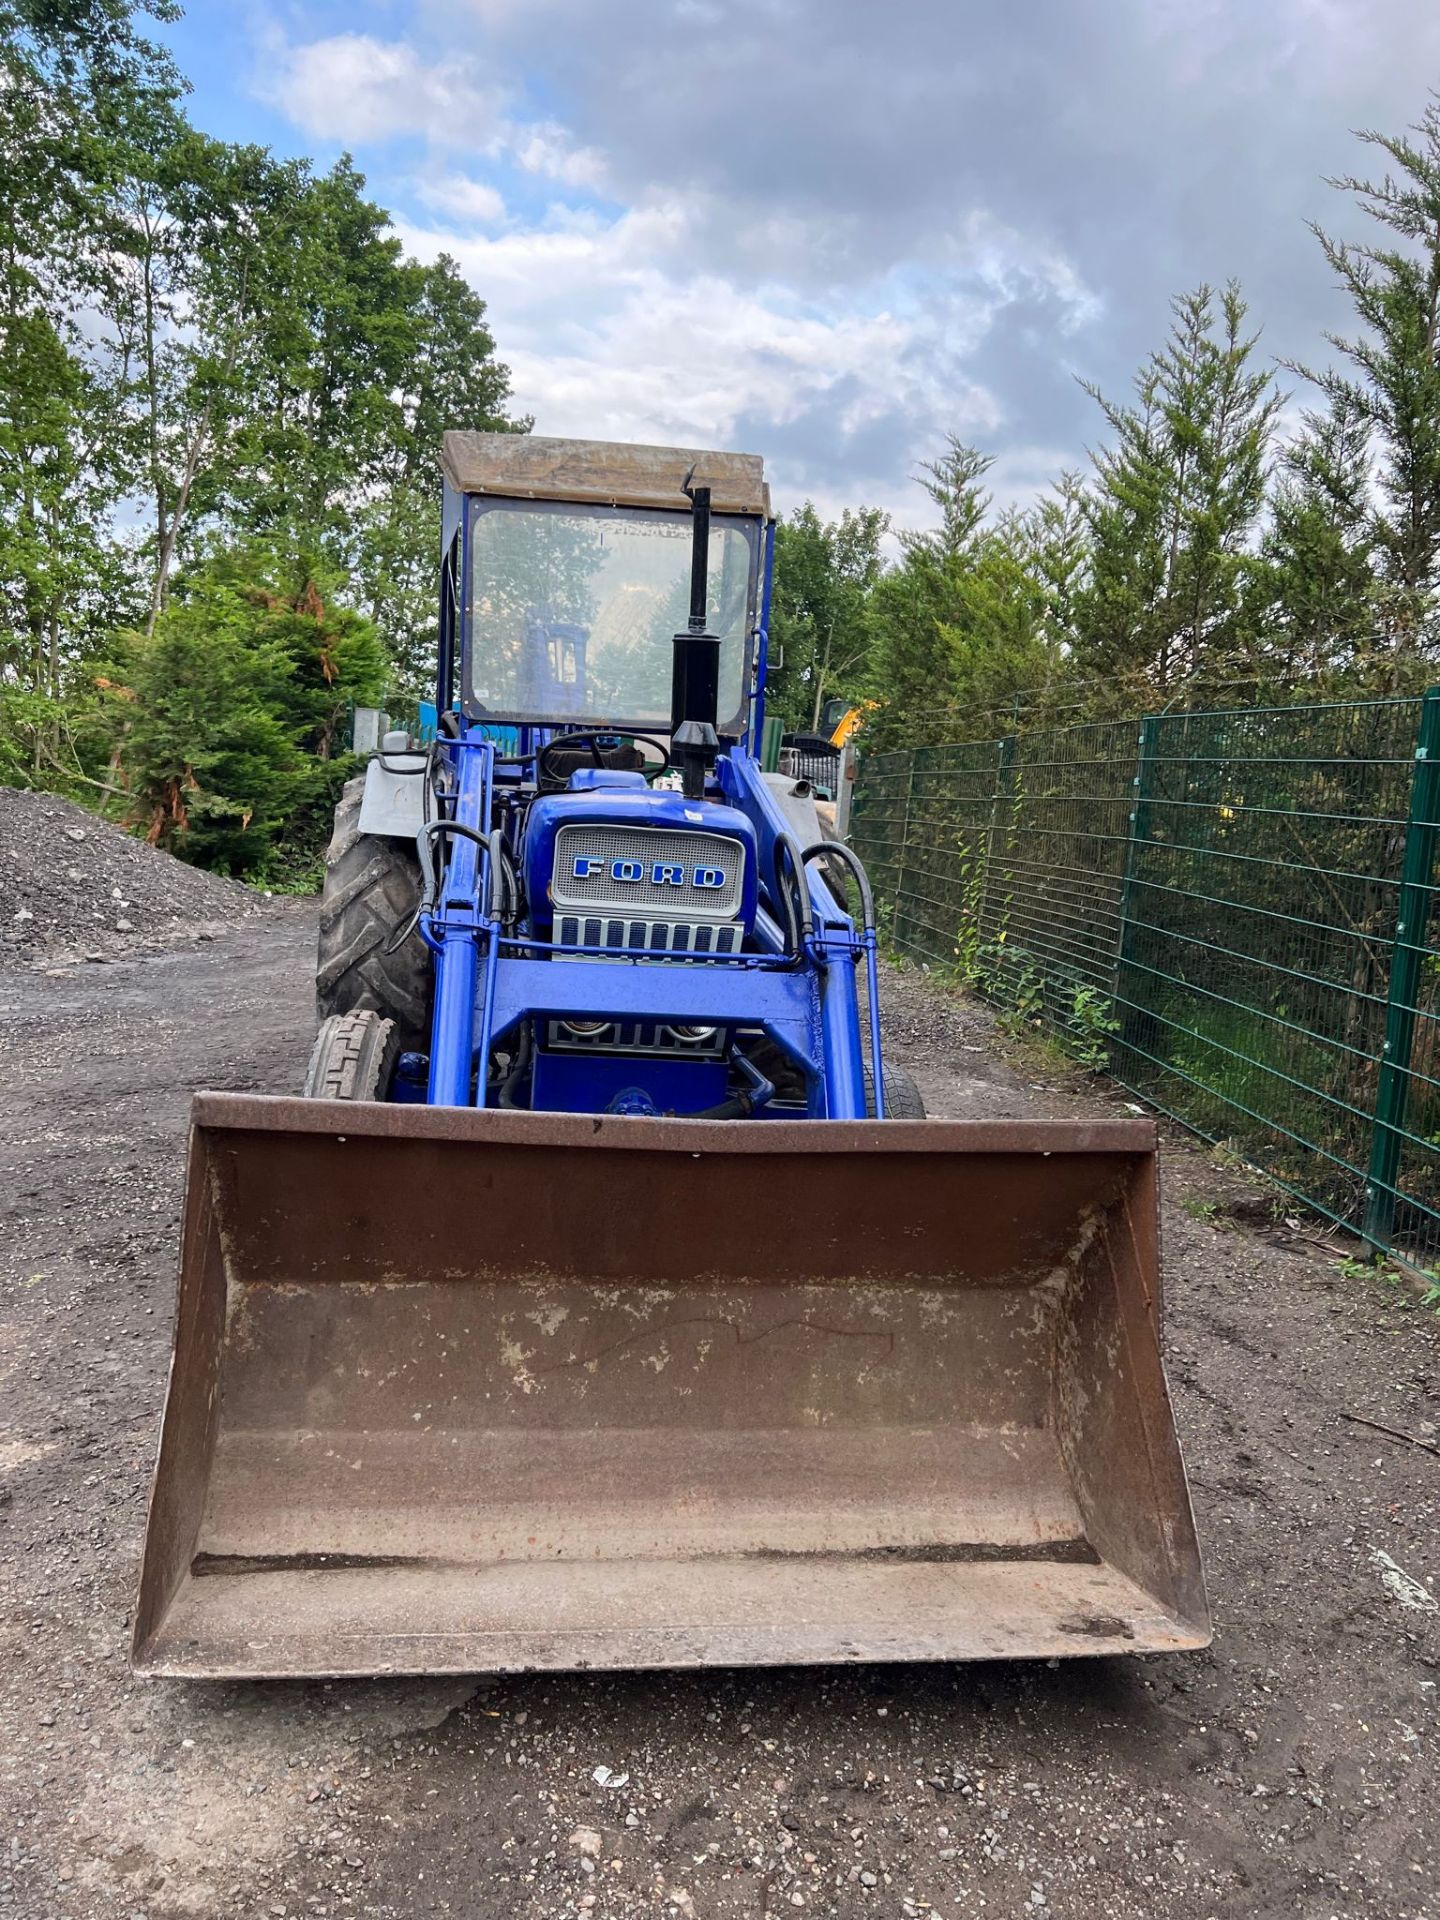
{"x": 1231, "y": 911}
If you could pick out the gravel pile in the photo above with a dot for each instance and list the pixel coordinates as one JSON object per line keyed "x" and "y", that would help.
{"x": 75, "y": 888}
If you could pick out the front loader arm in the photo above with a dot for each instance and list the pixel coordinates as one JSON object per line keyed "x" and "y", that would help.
{"x": 832, "y": 945}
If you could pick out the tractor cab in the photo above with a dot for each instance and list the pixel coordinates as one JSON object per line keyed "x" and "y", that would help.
{"x": 568, "y": 570}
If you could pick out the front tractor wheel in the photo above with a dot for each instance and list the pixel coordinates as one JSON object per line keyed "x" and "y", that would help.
{"x": 903, "y": 1099}
{"x": 353, "y": 1058}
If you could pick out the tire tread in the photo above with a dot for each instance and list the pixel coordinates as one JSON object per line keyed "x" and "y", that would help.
{"x": 903, "y": 1099}
{"x": 353, "y": 1058}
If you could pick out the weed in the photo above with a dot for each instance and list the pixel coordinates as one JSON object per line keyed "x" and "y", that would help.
{"x": 1089, "y": 1021}
{"x": 1025, "y": 1003}
{"x": 971, "y": 875}
{"x": 885, "y": 923}
{"x": 1385, "y": 1271}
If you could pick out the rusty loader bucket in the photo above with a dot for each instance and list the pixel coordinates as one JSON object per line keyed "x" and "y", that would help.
{"x": 461, "y": 1391}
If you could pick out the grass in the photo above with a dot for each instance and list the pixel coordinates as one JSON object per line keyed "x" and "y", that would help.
{"x": 1201, "y": 1209}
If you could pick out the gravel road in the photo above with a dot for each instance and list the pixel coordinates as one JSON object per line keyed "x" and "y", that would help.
{"x": 1290, "y": 1770}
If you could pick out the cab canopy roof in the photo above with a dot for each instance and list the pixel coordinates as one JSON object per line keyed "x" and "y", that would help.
{"x": 615, "y": 473}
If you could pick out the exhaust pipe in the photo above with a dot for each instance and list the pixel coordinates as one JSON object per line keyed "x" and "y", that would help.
{"x": 695, "y": 678}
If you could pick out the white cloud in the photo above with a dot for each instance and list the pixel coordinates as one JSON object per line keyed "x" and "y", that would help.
{"x": 841, "y": 241}
{"x": 694, "y": 314}
{"x": 547, "y": 149}
{"x": 352, "y": 87}
{"x": 473, "y": 201}
{"x": 1018, "y": 266}
{"x": 610, "y": 332}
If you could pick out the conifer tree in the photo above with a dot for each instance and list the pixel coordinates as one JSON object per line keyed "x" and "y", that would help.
{"x": 1173, "y": 510}
{"x": 914, "y": 607}
{"x": 1314, "y": 603}
{"x": 1388, "y": 397}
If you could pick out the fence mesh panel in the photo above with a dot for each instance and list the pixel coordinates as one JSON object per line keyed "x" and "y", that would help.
{"x": 1231, "y": 910}
{"x": 1052, "y": 913}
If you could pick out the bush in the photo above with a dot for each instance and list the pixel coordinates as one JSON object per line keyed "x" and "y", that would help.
{"x": 230, "y": 717}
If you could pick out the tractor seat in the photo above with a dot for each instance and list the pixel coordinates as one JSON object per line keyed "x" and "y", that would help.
{"x": 564, "y": 762}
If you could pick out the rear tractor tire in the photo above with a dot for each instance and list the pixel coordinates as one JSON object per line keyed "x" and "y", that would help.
{"x": 371, "y": 887}
{"x": 353, "y": 1058}
{"x": 902, "y": 1096}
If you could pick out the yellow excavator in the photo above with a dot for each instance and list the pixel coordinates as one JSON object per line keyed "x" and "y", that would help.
{"x": 850, "y": 723}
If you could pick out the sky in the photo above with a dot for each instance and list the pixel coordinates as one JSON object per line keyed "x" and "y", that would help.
{"x": 834, "y": 231}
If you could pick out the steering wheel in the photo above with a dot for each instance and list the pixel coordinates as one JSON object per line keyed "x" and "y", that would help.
{"x": 595, "y": 741}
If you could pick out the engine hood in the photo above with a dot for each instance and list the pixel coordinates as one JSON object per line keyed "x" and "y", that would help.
{"x": 646, "y": 853}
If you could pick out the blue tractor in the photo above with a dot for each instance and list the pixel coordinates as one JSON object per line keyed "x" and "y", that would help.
{"x": 619, "y": 912}
{"x": 589, "y": 1310}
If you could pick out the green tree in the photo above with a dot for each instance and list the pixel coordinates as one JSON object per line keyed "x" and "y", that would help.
{"x": 1056, "y": 541}
{"x": 1389, "y": 398}
{"x": 293, "y": 372}
{"x": 213, "y": 772}
{"x": 365, "y": 358}
{"x": 202, "y": 346}
{"x": 1003, "y": 654}
{"x": 916, "y": 605}
{"x": 231, "y": 710}
{"x": 78, "y": 84}
{"x": 1314, "y": 594}
{"x": 824, "y": 576}
{"x": 1173, "y": 511}
{"x": 213, "y": 230}
{"x": 336, "y": 334}
{"x": 454, "y": 380}
{"x": 335, "y": 655}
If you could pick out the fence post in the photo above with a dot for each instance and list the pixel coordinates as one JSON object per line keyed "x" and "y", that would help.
{"x": 1407, "y": 960}
{"x": 1142, "y": 792}
{"x": 845, "y": 789}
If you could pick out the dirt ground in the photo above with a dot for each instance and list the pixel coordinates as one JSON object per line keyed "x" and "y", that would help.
{"x": 1289, "y": 1770}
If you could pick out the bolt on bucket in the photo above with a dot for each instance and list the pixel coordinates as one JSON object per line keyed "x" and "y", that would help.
{"x": 467, "y": 1391}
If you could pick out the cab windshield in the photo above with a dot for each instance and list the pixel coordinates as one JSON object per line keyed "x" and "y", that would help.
{"x": 571, "y": 611}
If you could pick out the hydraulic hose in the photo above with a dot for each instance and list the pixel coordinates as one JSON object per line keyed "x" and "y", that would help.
{"x": 504, "y": 887}
{"x": 847, "y": 855}
{"x": 740, "y": 1106}
{"x": 799, "y": 920}
{"x": 519, "y": 1066}
{"x": 431, "y": 831}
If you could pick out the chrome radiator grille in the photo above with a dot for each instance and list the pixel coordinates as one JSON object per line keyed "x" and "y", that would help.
{"x": 704, "y": 873}
{"x": 660, "y": 937}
